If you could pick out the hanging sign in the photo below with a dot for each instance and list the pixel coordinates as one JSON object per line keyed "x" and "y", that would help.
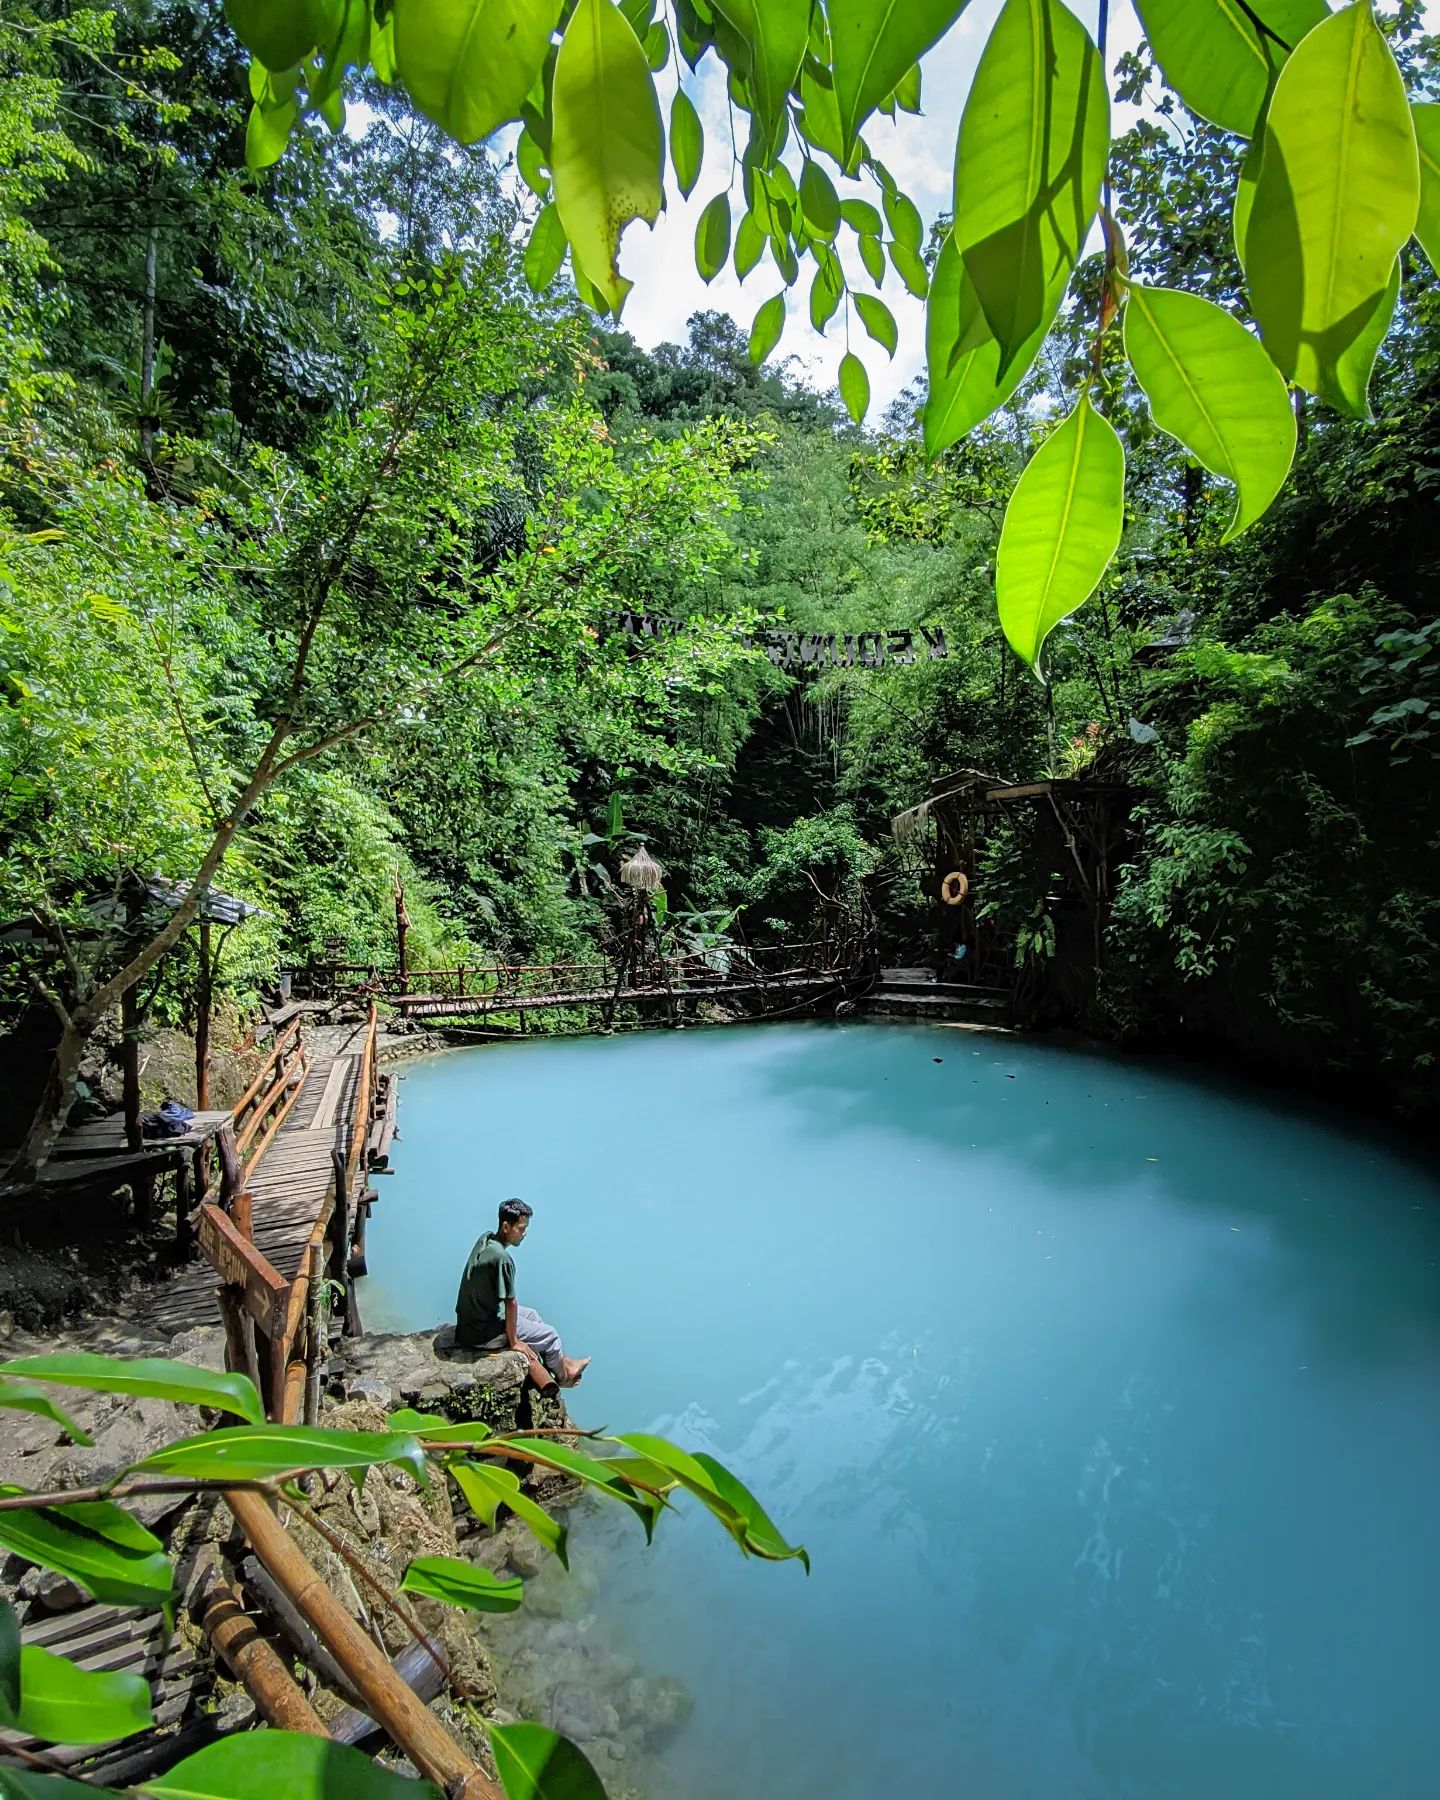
{"x": 810, "y": 649}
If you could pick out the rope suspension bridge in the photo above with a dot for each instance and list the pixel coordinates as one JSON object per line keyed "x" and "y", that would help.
{"x": 754, "y": 981}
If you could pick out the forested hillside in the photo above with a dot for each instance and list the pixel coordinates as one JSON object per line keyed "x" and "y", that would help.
{"x": 299, "y": 479}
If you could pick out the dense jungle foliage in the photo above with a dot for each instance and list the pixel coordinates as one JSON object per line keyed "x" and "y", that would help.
{"x": 314, "y": 420}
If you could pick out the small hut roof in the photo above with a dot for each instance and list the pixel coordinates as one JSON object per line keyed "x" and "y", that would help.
{"x": 139, "y": 894}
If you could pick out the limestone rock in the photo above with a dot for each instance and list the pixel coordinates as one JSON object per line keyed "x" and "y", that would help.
{"x": 470, "y": 1384}
{"x": 582, "y": 1714}
{"x": 654, "y": 1707}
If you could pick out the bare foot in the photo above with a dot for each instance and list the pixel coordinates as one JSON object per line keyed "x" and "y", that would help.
{"x": 573, "y": 1370}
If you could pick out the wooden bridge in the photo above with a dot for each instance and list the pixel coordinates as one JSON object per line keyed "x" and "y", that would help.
{"x": 777, "y": 978}
{"x": 286, "y": 1214}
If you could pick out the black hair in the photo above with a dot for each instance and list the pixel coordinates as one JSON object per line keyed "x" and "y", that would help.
{"x": 512, "y": 1211}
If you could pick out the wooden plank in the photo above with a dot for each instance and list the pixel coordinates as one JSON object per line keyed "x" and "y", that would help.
{"x": 330, "y": 1096}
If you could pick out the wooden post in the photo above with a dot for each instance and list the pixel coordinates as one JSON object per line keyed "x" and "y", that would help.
{"x": 130, "y": 1065}
{"x": 402, "y": 931}
{"x": 229, "y": 1163}
{"x": 389, "y": 1701}
{"x": 204, "y": 996}
{"x": 184, "y": 1198}
{"x": 232, "y": 1318}
{"x": 314, "y": 1339}
{"x": 253, "y": 1661}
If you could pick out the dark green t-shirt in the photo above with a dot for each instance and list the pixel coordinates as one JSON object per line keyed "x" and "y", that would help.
{"x": 488, "y": 1282}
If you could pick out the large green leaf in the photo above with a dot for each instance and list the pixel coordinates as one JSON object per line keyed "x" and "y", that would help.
{"x": 826, "y": 290}
{"x": 879, "y": 321}
{"x": 461, "y": 1583}
{"x": 546, "y": 249}
{"x": 606, "y": 150}
{"x": 1426, "y": 114}
{"x": 347, "y": 46}
{"x": 469, "y": 64}
{"x": 766, "y": 331}
{"x": 1029, "y": 162}
{"x": 1246, "y": 183}
{"x": 284, "y": 1765}
{"x": 9, "y": 1657}
{"x": 749, "y": 245}
{"x": 687, "y": 142}
{"x": 819, "y": 201}
{"x": 267, "y": 131}
{"x": 1061, "y": 528}
{"x": 1221, "y": 56}
{"x": 95, "y": 1543}
{"x": 1356, "y": 366}
{"x": 1211, "y": 385}
{"x": 874, "y": 45}
{"x": 602, "y": 1475}
{"x": 854, "y": 386}
{"x": 259, "y": 1452}
{"x": 1337, "y": 197}
{"x": 969, "y": 378}
{"x": 66, "y": 1705}
{"x": 903, "y": 217}
{"x": 486, "y": 1489}
{"x": 535, "y": 1763}
{"x": 155, "y": 1377}
{"x": 909, "y": 267}
{"x": 28, "y": 1396}
{"x": 712, "y": 237}
{"x": 721, "y": 1493}
{"x": 862, "y": 218}
{"x": 281, "y": 32}
{"x": 17, "y": 1783}
{"x": 774, "y": 33}
{"x": 820, "y": 120}
{"x": 437, "y": 1430}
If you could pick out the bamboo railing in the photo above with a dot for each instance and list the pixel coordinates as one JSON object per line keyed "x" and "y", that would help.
{"x": 262, "y": 1109}
{"x": 273, "y": 1327}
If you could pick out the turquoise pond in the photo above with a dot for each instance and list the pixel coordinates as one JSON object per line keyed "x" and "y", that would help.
{"x": 1104, "y": 1395}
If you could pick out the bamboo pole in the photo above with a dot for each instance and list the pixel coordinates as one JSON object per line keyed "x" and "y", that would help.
{"x": 314, "y": 1333}
{"x": 284, "y": 1071}
{"x": 253, "y": 1661}
{"x": 388, "y": 1700}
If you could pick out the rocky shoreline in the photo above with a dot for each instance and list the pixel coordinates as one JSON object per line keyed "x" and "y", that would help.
{"x": 543, "y": 1662}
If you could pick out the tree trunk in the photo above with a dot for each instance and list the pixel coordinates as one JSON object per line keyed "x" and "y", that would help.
{"x": 130, "y": 1064}
{"x": 56, "y": 1099}
{"x": 148, "y": 420}
{"x": 1194, "y": 491}
{"x": 204, "y": 996}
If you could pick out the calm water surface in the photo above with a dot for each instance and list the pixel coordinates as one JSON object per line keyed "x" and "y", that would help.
{"x": 1105, "y": 1399}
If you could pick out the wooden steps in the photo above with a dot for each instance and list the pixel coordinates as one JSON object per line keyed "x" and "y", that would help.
{"x": 917, "y": 994}
{"x": 112, "y": 1639}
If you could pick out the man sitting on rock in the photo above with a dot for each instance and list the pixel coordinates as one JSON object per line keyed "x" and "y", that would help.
{"x": 487, "y": 1317}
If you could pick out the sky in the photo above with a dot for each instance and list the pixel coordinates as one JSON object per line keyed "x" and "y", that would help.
{"x": 919, "y": 152}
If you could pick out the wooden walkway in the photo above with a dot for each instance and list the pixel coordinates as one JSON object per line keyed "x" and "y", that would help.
{"x": 103, "y": 1638}
{"x": 287, "y": 1188}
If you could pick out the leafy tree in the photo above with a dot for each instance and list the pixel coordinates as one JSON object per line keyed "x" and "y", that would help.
{"x": 1325, "y": 203}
